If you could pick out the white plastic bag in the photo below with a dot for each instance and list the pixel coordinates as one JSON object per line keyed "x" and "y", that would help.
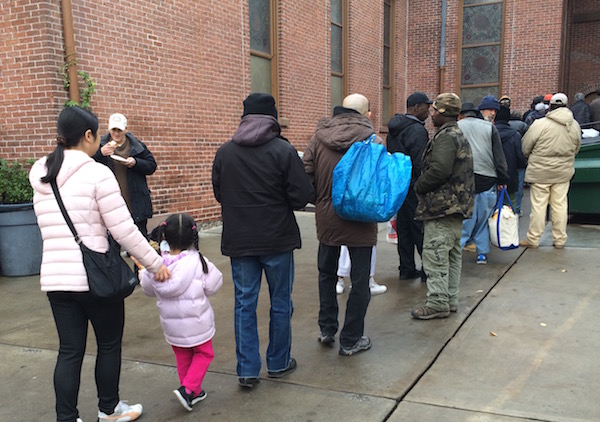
{"x": 504, "y": 224}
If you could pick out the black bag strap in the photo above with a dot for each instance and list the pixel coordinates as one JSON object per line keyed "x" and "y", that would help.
{"x": 65, "y": 214}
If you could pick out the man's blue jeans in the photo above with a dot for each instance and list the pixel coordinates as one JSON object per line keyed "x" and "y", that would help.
{"x": 519, "y": 193}
{"x": 247, "y": 273}
{"x": 476, "y": 229}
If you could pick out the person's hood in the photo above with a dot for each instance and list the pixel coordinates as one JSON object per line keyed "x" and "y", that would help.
{"x": 561, "y": 115}
{"x": 399, "y": 122}
{"x": 256, "y": 129}
{"x": 505, "y": 130}
{"x": 73, "y": 161}
{"x": 339, "y": 132}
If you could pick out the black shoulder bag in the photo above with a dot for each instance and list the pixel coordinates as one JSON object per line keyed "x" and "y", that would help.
{"x": 109, "y": 276}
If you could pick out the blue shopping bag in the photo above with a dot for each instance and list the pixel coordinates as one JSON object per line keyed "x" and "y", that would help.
{"x": 369, "y": 183}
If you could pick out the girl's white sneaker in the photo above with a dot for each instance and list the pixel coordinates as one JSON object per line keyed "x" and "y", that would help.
{"x": 339, "y": 286}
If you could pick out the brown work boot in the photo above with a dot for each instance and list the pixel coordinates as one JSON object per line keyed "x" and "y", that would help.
{"x": 470, "y": 247}
{"x": 526, "y": 244}
{"x": 425, "y": 312}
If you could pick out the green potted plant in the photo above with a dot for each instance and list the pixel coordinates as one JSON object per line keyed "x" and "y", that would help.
{"x": 14, "y": 183}
{"x": 20, "y": 238}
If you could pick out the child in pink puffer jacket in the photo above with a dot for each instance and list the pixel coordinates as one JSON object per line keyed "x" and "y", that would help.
{"x": 186, "y": 316}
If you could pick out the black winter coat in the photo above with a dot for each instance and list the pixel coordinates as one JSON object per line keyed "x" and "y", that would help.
{"x": 259, "y": 180}
{"x": 408, "y": 136}
{"x": 145, "y": 165}
{"x": 582, "y": 112}
{"x": 511, "y": 144}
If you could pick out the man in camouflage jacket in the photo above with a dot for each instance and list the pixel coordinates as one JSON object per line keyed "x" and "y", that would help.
{"x": 445, "y": 190}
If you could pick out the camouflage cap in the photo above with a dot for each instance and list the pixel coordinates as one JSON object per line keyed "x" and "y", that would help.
{"x": 447, "y": 104}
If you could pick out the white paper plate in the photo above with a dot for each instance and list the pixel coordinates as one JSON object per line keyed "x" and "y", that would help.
{"x": 118, "y": 158}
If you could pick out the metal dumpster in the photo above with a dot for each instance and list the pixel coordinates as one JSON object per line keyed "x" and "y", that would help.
{"x": 584, "y": 194}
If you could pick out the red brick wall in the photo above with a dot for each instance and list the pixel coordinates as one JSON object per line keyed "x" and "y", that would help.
{"x": 180, "y": 70}
{"x": 31, "y": 92}
{"x": 176, "y": 70}
{"x": 532, "y": 44}
{"x": 304, "y": 67}
{"x": 423, "y": 50}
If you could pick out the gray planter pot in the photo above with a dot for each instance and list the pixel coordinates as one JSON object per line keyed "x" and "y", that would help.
{"x": 20, "y": 241}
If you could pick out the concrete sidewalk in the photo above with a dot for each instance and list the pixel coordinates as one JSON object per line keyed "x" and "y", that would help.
{"x": 523, "y": 346}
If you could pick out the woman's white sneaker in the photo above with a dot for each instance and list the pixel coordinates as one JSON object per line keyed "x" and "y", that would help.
{"x": 122, "y": 413}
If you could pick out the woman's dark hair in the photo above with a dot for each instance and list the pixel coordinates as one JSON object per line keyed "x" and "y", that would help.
{"x": 180, "y": 232}
{"x": 72, "y": 124}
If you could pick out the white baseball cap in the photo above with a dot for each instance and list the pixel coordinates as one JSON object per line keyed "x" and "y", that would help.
{"x": 559, "y": 99}
{"x": 117, "y": 121}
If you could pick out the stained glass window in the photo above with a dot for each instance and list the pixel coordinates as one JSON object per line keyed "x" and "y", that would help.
{"x": 263, "y": 66}
{"x": 481, "y": 55}
{"x": 480, "y": 65}
{"x": 338, "y": 51}
{"x": 482, "y": 24}
{"x": 260, "y": 25}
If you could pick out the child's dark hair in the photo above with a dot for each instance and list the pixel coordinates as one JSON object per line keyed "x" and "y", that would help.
{"x": 73, "y": 123}
{"x": 180, "y": 232}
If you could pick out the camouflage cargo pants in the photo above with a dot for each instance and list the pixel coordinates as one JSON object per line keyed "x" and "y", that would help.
{"x": 442, "y": 260}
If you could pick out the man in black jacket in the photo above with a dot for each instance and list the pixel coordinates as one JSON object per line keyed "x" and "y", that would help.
{"x": 259, "y": 180}
{"x": 407, "y": 134}
{"x": 582, "y": 112}
{"x": 131, "y": 161}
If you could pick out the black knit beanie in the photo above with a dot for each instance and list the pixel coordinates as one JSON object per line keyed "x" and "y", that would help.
{"x": 260, "y": 104}
{"x": 503, "y": 114}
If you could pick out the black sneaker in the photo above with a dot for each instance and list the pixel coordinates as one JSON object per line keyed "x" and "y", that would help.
{"x": 248, "y": 382}
{"x": 327, "y": 339}
{"x": 199, "y": 397}
{"x": 291, "y": 368}
{"x": 411, "y": 275}
{"x": 188, "y": 400}
{"x": 363, "y": 344}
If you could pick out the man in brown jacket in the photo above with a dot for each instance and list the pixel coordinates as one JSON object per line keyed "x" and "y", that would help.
{"x": 332, "y": 138}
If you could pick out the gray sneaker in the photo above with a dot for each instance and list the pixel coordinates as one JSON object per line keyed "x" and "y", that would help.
{"x": 327, "y": 339}
{"x": 363, "y": 344}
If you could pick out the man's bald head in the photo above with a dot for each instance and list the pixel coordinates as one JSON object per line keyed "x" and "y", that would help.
{"x": 357, "y": 102}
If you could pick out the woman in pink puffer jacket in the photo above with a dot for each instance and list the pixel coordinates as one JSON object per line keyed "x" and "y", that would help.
{"x": 93, "y": 200}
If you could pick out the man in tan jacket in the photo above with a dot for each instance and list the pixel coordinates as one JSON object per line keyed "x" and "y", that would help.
{"x": 550, "y": 144}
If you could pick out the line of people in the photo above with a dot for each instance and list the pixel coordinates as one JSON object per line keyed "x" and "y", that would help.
{"x": 260, "y": 180}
